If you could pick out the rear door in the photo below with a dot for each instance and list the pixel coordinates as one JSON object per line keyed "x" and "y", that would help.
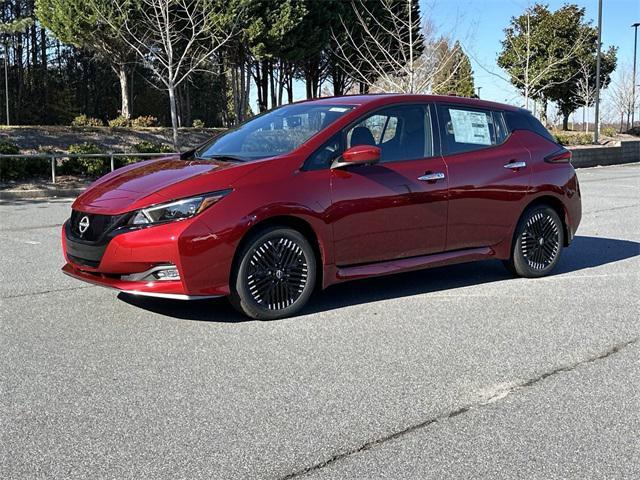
{"x": 489, "y": 175}
{"x": 398, "y": 207}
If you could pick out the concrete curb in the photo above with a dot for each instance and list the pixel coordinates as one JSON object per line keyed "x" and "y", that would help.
{"x": 40, "y": 193}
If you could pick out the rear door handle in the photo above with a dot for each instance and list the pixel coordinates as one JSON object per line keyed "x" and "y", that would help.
{"x": 514, "y": 165}
{"x": 432, "y": 177}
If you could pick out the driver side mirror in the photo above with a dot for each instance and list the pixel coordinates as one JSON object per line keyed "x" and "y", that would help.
{"x": 358, "y": 155}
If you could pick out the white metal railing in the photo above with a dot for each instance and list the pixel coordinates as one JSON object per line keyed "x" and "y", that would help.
{"x": 54, "y": 157}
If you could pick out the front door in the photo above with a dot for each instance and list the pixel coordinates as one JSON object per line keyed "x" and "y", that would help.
{"x": 398, "y": 207}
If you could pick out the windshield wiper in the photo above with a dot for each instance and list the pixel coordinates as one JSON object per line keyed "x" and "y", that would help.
{"x": 223, "y": 158}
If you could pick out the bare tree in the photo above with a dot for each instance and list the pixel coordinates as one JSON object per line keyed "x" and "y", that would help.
{"x": 383, "y": 52}
{"x": 173, "y": 38}
{"x": 585, "y": 89}
{"x": 621, "y": 92}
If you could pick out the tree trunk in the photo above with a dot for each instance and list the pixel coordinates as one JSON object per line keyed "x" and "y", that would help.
{"x": 543, "y": 112}
{"x": 174, "y": 116}
{"x": 264, "y": 85}
{"x": 188, "y": 116}
{"x": 121, "y": 71}
{"x": 565, "y": 121}
{"x": 284, "y": 72}
{"x": 312, "y": 78}
{"x": 272, "y": 85}
{"x": 43, "y": 48}
{"x": 621, "y": 121}
{"x": 246, "y": 85}
{"x": 45, "y": 77}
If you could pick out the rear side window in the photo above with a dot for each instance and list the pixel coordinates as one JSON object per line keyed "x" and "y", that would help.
{"x": 466, "y": 129}
{"x": 526, "y": 121}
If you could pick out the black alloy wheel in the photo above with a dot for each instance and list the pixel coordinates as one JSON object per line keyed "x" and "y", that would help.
{"x": 538, "y": 243}
{"x": 275, "y": 275}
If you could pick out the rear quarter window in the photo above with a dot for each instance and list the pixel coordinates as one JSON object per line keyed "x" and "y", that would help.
{"x": 526, "y": 121}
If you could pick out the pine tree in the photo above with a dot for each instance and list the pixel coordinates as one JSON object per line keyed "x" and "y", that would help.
{"x": 456, "y": 77}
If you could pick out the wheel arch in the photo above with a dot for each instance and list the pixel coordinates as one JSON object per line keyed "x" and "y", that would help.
{"x": 557, "y": 205}
{"x": 289, "y": 221}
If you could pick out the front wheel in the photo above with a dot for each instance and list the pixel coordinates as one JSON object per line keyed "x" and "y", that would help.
{"x": 274, "y": 275}
{"x": 538, "y": 243}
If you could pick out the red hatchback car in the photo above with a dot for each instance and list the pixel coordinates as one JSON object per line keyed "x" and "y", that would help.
{"x": 323, "y": 191}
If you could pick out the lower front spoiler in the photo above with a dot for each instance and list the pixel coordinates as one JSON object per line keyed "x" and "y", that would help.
{"x": 171, "y": 289}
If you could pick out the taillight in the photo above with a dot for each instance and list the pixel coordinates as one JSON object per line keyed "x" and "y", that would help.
{"x": 561, "y": 156}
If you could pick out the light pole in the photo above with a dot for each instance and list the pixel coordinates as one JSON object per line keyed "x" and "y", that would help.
{"x": 596, "y": 133}
{"x": 633, "y": 88}
{"x": 479, "y": 88}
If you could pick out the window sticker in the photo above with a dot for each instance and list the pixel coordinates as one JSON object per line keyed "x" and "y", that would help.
{"x": 470, "y": 127}
{"x": 338, "y": 109}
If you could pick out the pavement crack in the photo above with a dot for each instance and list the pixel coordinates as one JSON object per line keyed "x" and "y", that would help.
{"x": 462, "y": 410}
{"x": 44, "y": 292}
{"x": 592, "y": 212}
{"x": 35, "y": 227}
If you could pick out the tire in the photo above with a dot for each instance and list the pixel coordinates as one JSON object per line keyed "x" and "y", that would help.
{"x": 537, "y": 244}
{"x": 274, "y": 274}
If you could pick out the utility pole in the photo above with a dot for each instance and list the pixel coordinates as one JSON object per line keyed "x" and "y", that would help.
{"x": 633, "y": 87}
{"x": 596, "y": 133}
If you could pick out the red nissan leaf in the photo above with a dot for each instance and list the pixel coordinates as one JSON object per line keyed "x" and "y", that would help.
{"x": 319, "y": 192}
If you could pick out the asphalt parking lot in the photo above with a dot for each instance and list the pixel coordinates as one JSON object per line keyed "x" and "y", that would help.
{"x": 458, "y": 372}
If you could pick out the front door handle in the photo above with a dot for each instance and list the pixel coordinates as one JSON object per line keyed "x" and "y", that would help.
{"x": 432, "y": 177}
{"x": 513, "y": 165}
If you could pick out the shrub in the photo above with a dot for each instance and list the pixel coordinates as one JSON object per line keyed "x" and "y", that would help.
{"x": 21, "y": 168}
{"x": 152, "y": 147}
{"x": 609, "y": 132}
{"x": 94, "y": 166}
{"x": 11, "y": 168}
{"x": 7, "y": 148}
{"x": 144, "y": 147}
{"x": 85, "y": 121}
{"x": 144, "y": 121}
{"x": 119, "y": 122}
{"x": 197, "y": 123}
{"x": 573, "y": 139}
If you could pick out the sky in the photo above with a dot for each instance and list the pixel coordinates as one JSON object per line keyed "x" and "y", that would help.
{"x": 480, "y": 24}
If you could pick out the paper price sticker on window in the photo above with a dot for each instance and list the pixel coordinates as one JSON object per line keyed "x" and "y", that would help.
{"x": 470, "y": 127}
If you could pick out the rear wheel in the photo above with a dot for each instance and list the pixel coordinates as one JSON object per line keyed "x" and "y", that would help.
{"x": 538, "y": 243}
{"x": 275, "y": 274}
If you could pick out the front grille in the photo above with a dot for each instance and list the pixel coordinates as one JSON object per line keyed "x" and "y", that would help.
{"x": 83, "y": 261}
{"x": 99, "y": 225}
{"x": 87, "y": 247}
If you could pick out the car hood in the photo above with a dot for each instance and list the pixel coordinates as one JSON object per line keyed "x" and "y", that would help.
{"x": 155, "y": 181}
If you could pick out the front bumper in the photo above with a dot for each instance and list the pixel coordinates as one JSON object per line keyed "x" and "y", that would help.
{"x": 171, "y": 289}
{"x": 202, "y": 260}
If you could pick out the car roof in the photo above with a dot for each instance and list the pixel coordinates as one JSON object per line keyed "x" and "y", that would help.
{"x": 392, "y": 98}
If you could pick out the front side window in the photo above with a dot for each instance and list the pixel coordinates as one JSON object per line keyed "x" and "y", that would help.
{"x": 402, "y": 132}
{"x": 466, "y": 129}
{"x": 276, "y": 132}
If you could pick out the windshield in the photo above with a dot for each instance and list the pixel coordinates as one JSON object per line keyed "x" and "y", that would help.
{"x": 273, "y": 133}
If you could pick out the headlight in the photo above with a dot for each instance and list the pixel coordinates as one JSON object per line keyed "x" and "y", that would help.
{"x": 178, "y": 210}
